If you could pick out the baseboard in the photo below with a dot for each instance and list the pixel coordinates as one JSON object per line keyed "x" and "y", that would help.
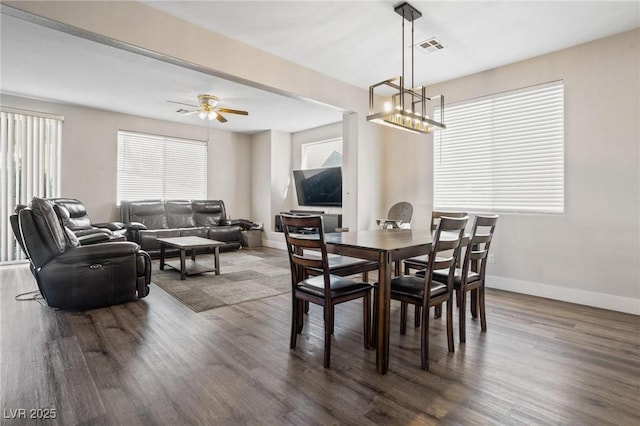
{"x": 280, "y": 245}
{"x": 582, "y": 297}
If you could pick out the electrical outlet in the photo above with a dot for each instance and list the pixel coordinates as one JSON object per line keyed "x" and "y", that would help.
{"x": 492, "y": 258}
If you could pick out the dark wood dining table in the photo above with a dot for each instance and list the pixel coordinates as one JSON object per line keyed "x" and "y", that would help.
{"x": 386, "y": 246}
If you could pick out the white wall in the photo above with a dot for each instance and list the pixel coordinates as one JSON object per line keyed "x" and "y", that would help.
{"x": 90, "y": 152}
{"x": 591, "y": 254}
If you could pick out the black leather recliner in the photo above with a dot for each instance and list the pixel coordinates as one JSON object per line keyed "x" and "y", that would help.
{"x": 71, "y": 276}
{"x": 74, "y": 216}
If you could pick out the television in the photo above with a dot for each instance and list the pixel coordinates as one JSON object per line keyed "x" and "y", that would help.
{"x": 319, "y": 187}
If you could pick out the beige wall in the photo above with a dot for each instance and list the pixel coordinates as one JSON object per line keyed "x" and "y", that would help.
{"x": 89, "y": 156}
{"x": 591, "y": 254}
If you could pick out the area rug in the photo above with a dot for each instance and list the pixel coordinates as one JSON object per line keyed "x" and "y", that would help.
{"x": 245, "y": 275}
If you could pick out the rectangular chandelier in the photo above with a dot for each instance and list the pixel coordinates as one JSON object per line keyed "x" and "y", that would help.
{"x": 406, "y": 108}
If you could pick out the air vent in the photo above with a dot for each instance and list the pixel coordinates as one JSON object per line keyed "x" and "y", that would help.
{"x": 431, "y": 45}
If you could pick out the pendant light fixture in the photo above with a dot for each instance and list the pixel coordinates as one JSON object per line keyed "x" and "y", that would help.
{"x": 407, "y": 107}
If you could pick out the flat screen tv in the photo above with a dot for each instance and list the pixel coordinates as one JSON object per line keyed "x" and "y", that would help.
{"x": 319, "y": 187}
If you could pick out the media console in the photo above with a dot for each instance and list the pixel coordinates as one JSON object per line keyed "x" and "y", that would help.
{"x": 331, "y": 221}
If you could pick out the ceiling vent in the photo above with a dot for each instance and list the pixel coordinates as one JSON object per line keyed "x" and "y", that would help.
{"x": 431, "y": 45}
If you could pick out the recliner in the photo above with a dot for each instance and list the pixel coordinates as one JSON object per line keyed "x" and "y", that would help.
{"x": 74, "y": 216}
{"x": 75, "y": 277}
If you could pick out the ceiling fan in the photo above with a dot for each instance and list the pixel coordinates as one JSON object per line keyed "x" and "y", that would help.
{"x": 207, "y": 108}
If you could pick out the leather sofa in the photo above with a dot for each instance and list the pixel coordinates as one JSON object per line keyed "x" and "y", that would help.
{"x": 71, "y": 276}
{"x": 148, "y": 220}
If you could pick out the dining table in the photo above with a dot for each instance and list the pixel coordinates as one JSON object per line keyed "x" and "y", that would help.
{"x": 385, "y": 246}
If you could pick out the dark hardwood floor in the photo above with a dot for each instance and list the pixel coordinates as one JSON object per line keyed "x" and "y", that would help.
{"x": 157, "y": 362}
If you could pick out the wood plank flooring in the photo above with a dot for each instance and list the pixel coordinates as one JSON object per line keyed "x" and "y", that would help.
{"x": 157, "y": 362}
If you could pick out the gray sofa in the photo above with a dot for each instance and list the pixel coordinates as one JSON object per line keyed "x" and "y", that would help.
{"x": 148, "y": 220}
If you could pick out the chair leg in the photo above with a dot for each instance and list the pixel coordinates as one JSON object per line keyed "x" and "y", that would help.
{"x": 403, "y": 317}
{"x": 333, "y": 316}
{"x": 450, "y": 323}
{"x": 483, "y": 314}
{"x": 474, "y": 303}
{"x": 366, "y": 319}
{"x": 462, "y": 314}
{"x": 417, "y": 316}
{"x": 306, "y": 306}
{"x": 365, "y": 277}
{"x": 374, "y": 328}
{"x": 300, "y": 315}
{"x": 438, "y": 311}
{"x": 424, "y": 339}
{"x": 328, "y": 326}
{"x": 294, "y": 322}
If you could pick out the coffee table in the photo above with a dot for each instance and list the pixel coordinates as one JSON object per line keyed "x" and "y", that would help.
{"x": 185, "y": 266}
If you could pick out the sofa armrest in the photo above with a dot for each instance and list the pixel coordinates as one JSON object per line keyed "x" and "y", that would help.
{"x": 111, "y": 226}
{"x": 135, "y": 226}
{"x": 93, "y": 238}
{"x": 98, "y": 252}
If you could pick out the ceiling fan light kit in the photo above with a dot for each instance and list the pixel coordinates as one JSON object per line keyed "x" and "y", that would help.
{"x": 407, "y": 107}
{"x": 207, "y": 108}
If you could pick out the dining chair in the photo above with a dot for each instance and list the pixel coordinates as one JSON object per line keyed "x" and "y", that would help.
{"x": 424, "y": 291}
{"x": 420, "y": 263}
{"x": 326, "y": 290}
{"x": 471, "y": 276}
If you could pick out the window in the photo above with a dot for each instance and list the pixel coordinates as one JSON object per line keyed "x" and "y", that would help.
{"x": 152, "y": 166}
{"x": 322, "y": 154}
{"x": 29, "y": 166}
{"x": 503, "y": 153}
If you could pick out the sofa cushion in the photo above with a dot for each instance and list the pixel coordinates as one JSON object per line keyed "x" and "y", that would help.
{"x": 208, "y": 212}
{"x": 179, "y": 214}
{"x": 150, "y": 213}
{"x": 76, "y": 217}
{"x": 48, "y": 225}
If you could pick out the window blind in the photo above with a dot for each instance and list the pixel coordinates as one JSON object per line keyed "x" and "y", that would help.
{"x": 503, "y": 153}
{"x": 151, "y": 166}
{"x": 29, "y": 166}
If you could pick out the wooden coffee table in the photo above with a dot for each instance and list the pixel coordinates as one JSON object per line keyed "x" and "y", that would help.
{"x": 185, "y": 266}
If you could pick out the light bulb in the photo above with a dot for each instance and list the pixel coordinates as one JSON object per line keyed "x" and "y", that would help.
{"x": 212, "y": 115}
{"x": 202, "y": 114}
{"x": 387, "y": 106}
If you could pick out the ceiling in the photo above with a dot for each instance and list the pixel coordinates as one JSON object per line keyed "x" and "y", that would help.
{"x": 354, "y": 41}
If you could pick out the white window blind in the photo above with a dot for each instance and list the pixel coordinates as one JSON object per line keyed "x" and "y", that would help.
{"x": 29, "y": 166}
{"x": 151, "y": 166}
{"x": 503, "y": 153}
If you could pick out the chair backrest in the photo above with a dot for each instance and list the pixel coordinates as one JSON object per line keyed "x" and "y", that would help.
{"x": 478, "y": 248}
{"x": 401, "y": 211}
{"x": 444, "y": 249}
{"x": 303, "y": 234}
{"x": 75, "y": 213}
{"x": 436, "y": 215}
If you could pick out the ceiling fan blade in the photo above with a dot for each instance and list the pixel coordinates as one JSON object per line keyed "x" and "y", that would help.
{"x": 188, "y": 112}
{"x": 220, "y": 118}
{"x": 232, "y": 111}
{"x": 182, "y": 103}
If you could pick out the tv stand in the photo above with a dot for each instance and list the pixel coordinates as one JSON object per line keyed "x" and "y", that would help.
{"x": 332, "y": 221}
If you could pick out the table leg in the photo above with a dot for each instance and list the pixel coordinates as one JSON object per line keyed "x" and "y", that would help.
{"x": 183, "y": 266}
{"x": 216, "y": 259}
{"x": 193, "y": 254}
{"x": 384, "y": 314}
{"x": 162, "y": 247}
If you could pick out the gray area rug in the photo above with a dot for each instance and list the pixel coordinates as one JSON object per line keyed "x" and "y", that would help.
{"x": 246, "y": 274}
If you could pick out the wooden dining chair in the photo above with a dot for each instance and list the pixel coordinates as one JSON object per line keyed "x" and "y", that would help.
{"x": 425, "y": 292}
{"x": 420, "y": 263}
{"x": 471, "y": 276}
{"x": 326, "y": 289}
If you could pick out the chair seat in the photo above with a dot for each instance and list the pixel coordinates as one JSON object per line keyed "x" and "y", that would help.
{"x": 340, "y": 286}
{"x": 409, "y": 285}
{"x": 345, "y": 265}
{"x": 441, "y": 276}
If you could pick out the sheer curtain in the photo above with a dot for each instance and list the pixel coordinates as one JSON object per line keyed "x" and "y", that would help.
{"x": 29, "y": 166}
